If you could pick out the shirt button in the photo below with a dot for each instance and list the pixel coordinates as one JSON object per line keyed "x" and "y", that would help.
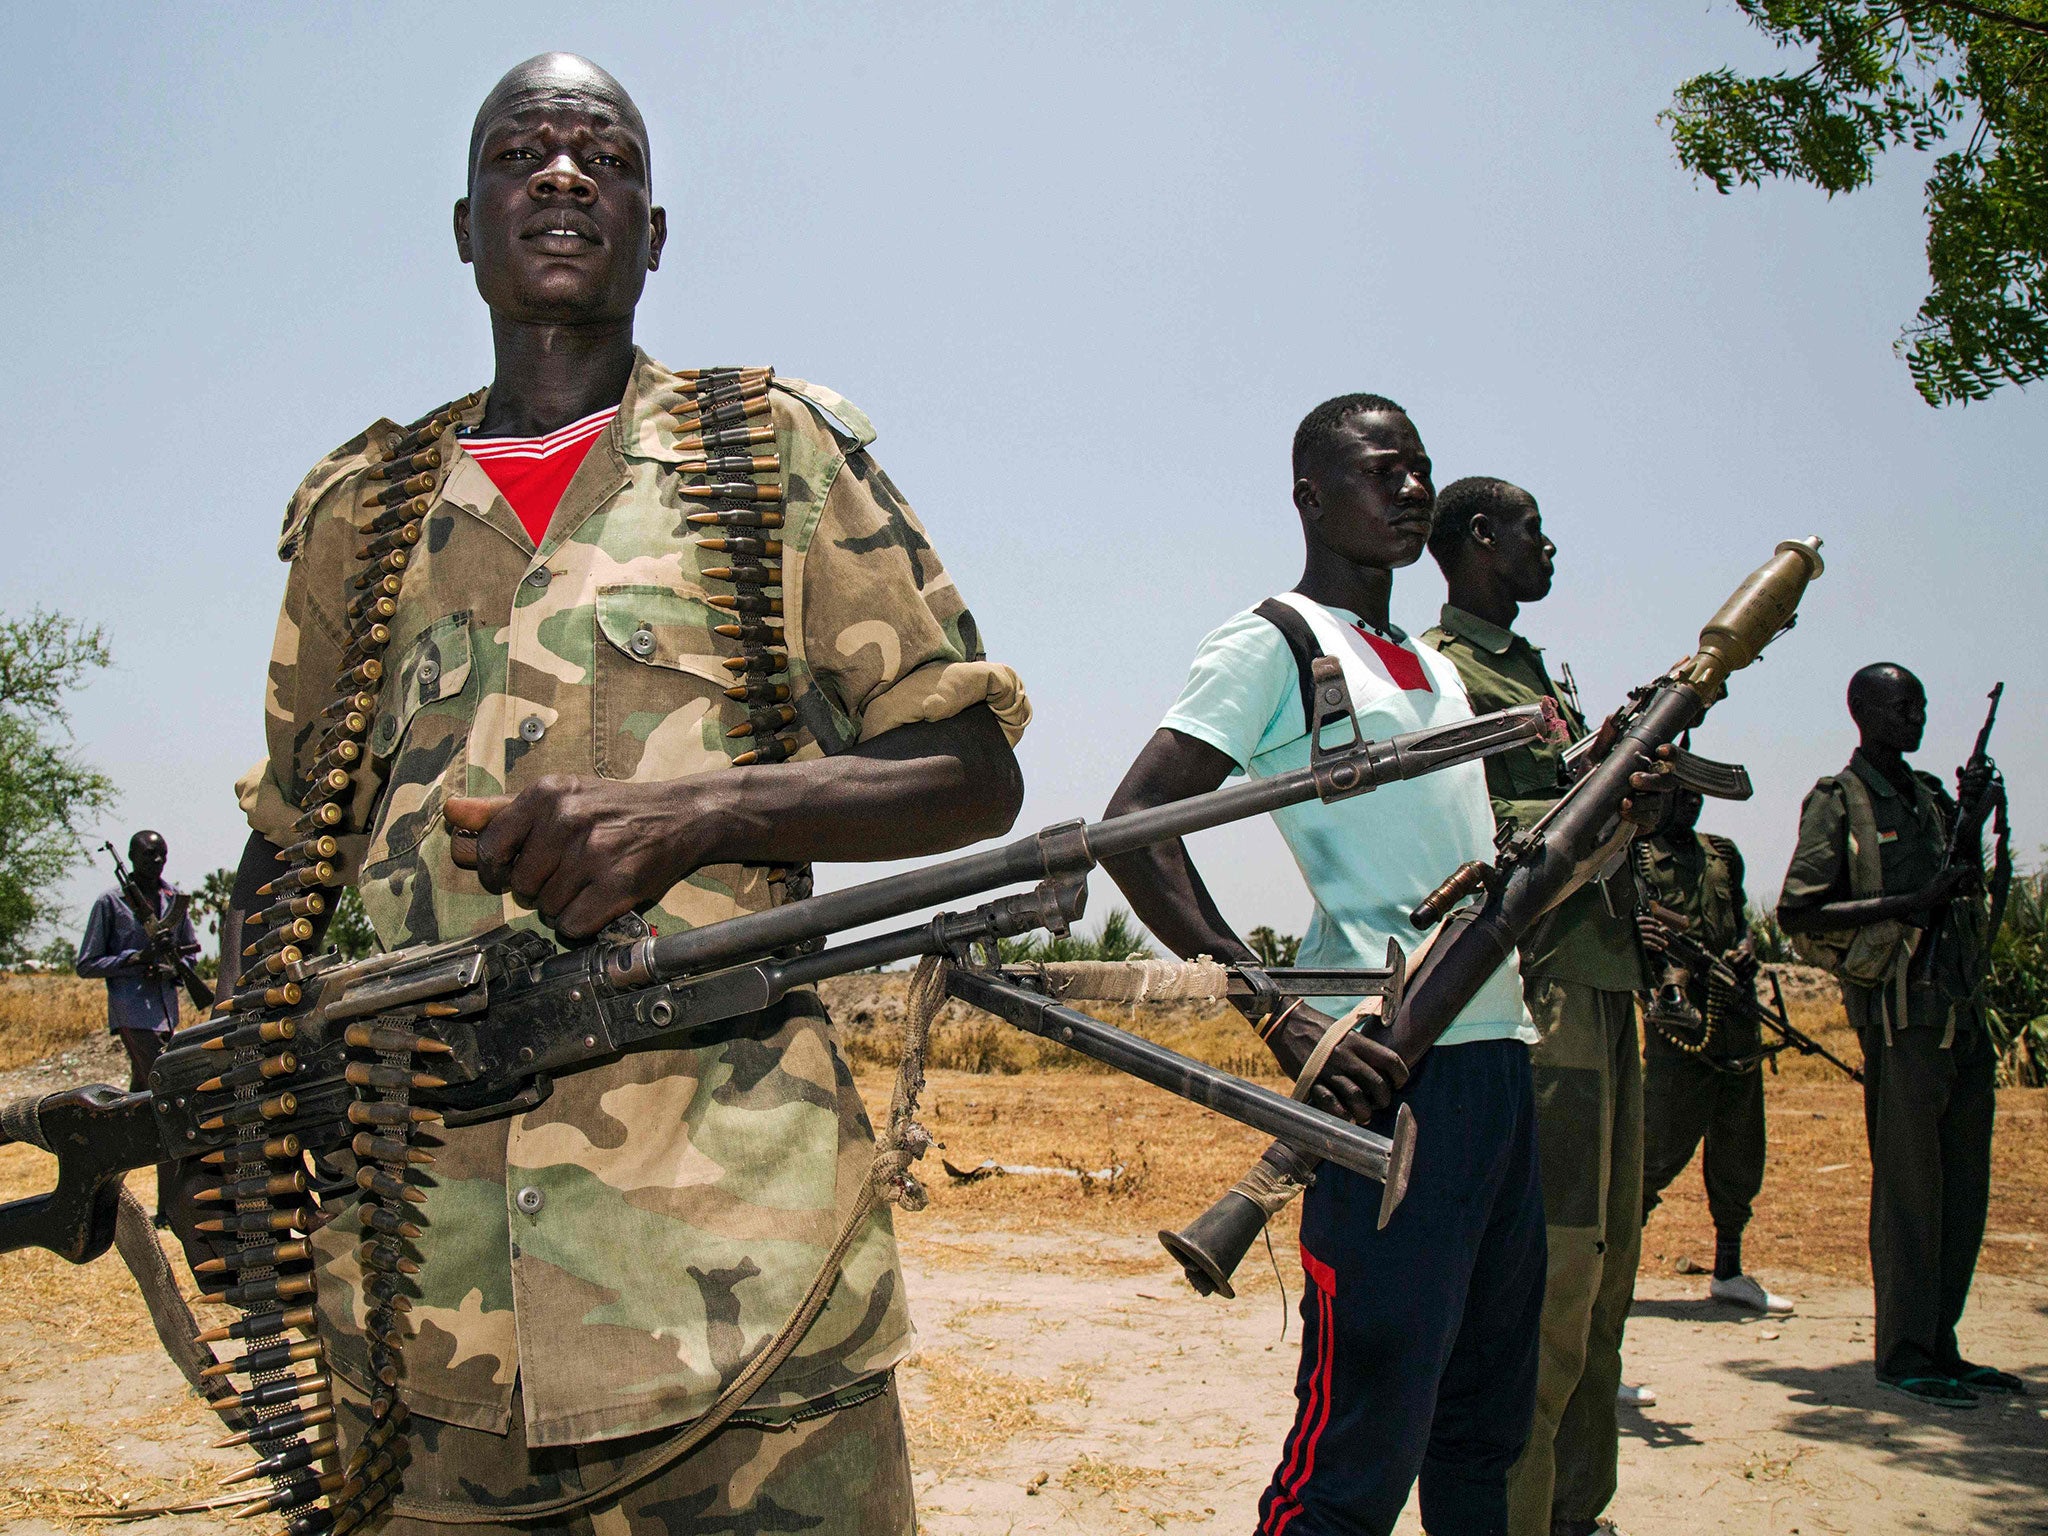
{"x": 539, "y": 576}
{"x": 430, "y": 671}
{"x": 532, "y": 728}
{"x": 530, "y": 1200}
{"x": 643, "y": 642}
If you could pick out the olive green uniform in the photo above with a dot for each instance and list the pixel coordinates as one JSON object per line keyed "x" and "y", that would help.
{"x": 1929, "y": 1071}
{"x": 1710, "y": 1089}
{"x": 1582, "y": 966}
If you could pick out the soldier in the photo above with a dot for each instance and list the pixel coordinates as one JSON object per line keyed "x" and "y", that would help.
{"x": 1864, "y": 886}
{"x": 142, "y": 987}
{"x": 1419, "y": 1341}
{"x": 601, "y": 706}
{"x": 1581, "y": 969}
{"x": 1703, "y": 1075}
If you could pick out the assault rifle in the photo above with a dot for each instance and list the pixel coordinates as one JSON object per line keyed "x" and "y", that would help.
{"x": 1578, "y": 839}
{"x": 1969, "y": 814}
{"x": 161, "y": 952}
{"x": 502, "y": 1015}
{"x": 1687, "y": 952}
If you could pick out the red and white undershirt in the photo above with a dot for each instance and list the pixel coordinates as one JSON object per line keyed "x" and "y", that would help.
{"x": 531, "y": 473}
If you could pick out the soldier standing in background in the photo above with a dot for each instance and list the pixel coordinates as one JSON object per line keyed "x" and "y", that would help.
{"x": 142, "y": 986}
{"x": 1703, "y": 1076}
{"x": 1581, "y": 969}
{"x": 1865, "y": 888}
{"x": 597, "y": 703}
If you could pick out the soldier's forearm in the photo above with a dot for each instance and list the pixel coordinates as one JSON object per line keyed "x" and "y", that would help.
{"x": 923, "y": 788}
{"x": 1833, "y": 916}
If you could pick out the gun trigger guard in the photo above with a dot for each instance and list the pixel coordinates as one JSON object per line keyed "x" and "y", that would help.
{"x": 532, "y": 1096}
{"x": 1704, "y": 776}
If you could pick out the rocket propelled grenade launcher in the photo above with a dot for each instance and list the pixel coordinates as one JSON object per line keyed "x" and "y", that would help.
{"x": 1491, "y": 907}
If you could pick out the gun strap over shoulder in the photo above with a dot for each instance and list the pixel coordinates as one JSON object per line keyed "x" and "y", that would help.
{"x": 1301, "y": 642}
{"x": 1874, "y": 956}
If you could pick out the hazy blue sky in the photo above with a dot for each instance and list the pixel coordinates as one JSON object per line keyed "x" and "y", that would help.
{"x": 1085, "y": 267}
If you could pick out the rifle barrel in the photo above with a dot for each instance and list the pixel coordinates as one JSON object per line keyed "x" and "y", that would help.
{"x": 1074, "y": 848}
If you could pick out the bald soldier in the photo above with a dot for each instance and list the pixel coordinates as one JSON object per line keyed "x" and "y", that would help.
{"x": 1862, "y": 896}
{"x": 602, "y": 707}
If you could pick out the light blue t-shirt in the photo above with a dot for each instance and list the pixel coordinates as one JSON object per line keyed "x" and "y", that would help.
{"x": 1368, "y": 861}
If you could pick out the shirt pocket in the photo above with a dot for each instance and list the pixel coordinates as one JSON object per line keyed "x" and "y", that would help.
{"x": 657, "y": 684}
{"x": 420, "y": 733}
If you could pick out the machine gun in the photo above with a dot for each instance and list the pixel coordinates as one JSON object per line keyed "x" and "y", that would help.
{"x": 1688, "y": 953}
{"x": 162, "y": 953}
{"x": 314, "y": 1056}
{"x": 1579, "y": 838}
{"x": 1968, "y": 814}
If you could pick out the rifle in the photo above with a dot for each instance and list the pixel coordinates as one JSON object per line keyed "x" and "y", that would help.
{"x": 501, "y": 1015}
{"x": 1579, "y": 838}
{"x": 1682, "y": 949}
{"x": 1968, "y": 813}
{"x": 162, "y": 954}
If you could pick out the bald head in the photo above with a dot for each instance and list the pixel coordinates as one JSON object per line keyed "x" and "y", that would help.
{"x": 1889, "y": 707}
{"x": 557, "y": 77}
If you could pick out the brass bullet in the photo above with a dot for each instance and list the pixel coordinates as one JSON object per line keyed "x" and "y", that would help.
{"x": 328, "y": 814}
{"x": 775, "y": 751}
{"x": 758, "y": 693}
{"x": 387, "y": 1149}
{"x": 738, "y": 517}
{"x": 732, "y": 490}
{"x": 392, "y": 469}
{"x": 255, "y": 1256}
{"x": 377, "y": 1219}
{"x": 389, "y": 1186}
{"x": 284, "y": 1461}
{"x": 283, "y": 1064}
{"x": 748, "y": 575}
{"x": 404, "y": 536}
{"x": 760, "y": 720}
{"x": 730, "y": 464}
{"x": 364, "y": 1074}
{"x": 249, "y": 1112}
{"x": 393, "y": 1037}
{"x": 256, "y": 1362}
{"x": 312, "y": 904}
{"x": 261, "y": 1326}
{"x": 743, "y": 548}
{"x": 290, "y": 1495}
{"x": 297, "y": 931}
{"x": 755, "y": 661}
{"x": 323, "y": 846}
{"x": 278, "y": 1428}
{"x": 748, "y": 603}
{"x": 277, "y": 1288}
{"x": 360, "y": 1113}
{"x": 730, "y": 437}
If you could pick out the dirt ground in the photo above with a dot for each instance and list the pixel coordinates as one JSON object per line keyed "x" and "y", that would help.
{"x": 1067, "y": 1379}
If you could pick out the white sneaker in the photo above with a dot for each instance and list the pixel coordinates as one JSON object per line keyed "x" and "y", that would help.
{"x": 1743, "y": 1291}
{"x": 1635, "y": 1397}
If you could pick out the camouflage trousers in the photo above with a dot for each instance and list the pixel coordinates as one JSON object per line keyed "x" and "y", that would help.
{"x": 839, "y": 1467}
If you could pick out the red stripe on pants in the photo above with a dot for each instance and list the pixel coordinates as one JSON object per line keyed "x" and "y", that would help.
{"x": 1284, "y": 1498}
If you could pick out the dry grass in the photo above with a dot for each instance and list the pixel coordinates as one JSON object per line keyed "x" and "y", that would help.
{"x": 869, "y": 1012}
{"x": 86, "y": 1480}
{"x": 45, "y": 1015}
{"x": 958, "y": 1411}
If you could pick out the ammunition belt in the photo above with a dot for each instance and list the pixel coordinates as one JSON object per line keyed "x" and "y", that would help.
{"x": 274, "y": 1190}
{"x": 730, "y": 467}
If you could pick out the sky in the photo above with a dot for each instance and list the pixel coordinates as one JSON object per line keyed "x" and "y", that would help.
{"x": 1085, "y": 266}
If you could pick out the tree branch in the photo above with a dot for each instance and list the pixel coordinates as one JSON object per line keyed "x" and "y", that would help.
{"x": 1993, "y": 15}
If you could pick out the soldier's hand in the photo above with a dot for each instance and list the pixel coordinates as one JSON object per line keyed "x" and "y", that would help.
{"x": 1744, "y": 963}
{"x": 1974, "y": 781}
{"x": 1655, "y": 935}
{"x": 1360, "y": 1078}
{"x": 1939, "y": 891}
{"x": 1650, "y": 791}
{"x": 582, "y": 851}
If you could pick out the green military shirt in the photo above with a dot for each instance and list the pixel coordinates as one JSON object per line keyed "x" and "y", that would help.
{"x": 1589, "y": 938}
{"x": 618, "y": 1253}
{"x": 1698, "y": 877}
{"x": 1912, "y": 837}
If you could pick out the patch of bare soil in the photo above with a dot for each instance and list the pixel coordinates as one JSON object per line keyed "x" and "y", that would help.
{"x": 1066, "y": 1377}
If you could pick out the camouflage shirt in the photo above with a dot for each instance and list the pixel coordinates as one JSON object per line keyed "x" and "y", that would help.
{"x": 1589, "y": 937}
{"x": 1699, "y": 877}
{"x": 619, "y": 1252}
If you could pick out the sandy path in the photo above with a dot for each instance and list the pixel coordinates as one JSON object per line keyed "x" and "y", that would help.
{"x": 1156, "y": 1411}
